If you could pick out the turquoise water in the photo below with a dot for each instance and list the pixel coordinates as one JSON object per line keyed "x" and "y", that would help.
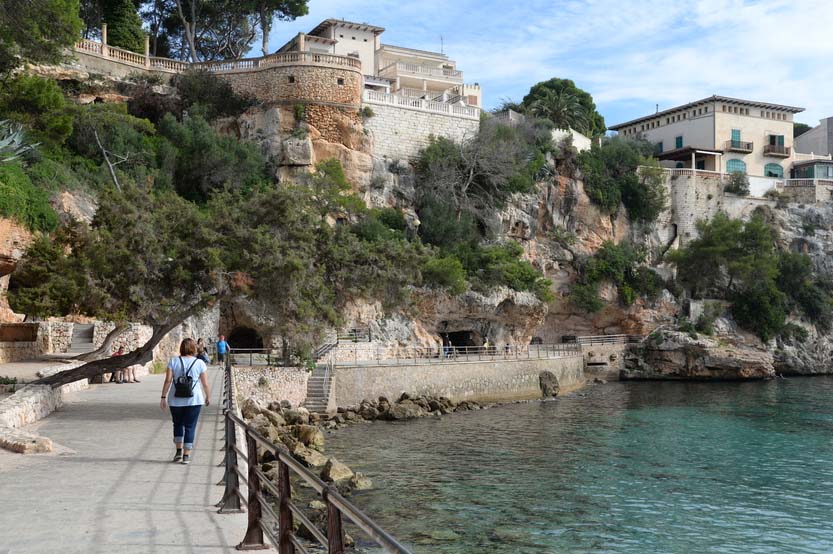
{"x": 620, "y": 468}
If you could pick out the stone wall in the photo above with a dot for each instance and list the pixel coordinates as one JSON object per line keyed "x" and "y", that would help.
{"x": 400, "y": 132}
{"x": 18, "y": 351}
{"x": 269, "y": 384}
{"x": 328, "y": 94}
{"x": 481, "y": 381}
{"x": 54, "y": 337}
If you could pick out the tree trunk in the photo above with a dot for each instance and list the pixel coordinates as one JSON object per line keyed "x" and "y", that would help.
{"x": 141, "y": 355}
{"x": 104, "y": 349}
{"x": 189, "y": 27}
{"x": 265, "y": 29}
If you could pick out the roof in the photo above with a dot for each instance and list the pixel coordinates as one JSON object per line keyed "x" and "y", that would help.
{"x": 415, "y": 51}
{"x": 715, "y": 98}
{"x": 327, "y": 23}
{"x": 293, "y": 42}
{"x": 812, "y": 162}
{"x": 680, "y": 154}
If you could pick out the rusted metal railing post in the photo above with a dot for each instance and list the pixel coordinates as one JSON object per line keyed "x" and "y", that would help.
{"x": 285, "y": 545}
{"x": 254, "y": 534}
{"x": 335, "y": 530}
{"x": 231, "y": 497}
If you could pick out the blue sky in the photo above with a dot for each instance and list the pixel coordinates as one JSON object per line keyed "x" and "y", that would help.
{"x": 630, "y": 55}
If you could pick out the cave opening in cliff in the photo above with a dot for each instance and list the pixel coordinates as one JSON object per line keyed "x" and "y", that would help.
{"x": 464, "y": 338}
{"x": 244, "y": 338}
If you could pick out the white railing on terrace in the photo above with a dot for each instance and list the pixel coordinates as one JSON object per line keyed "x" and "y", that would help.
{"x": 810, "y": 182}
{"x": 403, "y": 68}
{"x": 223, "y": 66}
{"x": 358, "y": 355}
{"x": 374, "y": 97}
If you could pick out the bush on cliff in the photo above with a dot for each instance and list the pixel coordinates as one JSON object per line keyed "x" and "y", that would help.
{"x": 446, "y": 273}
{"x": 611, "y": 179}
{"x": 621, "y": 264}
{"x": 740, "y": 262}
{"x": 21, "y": 200}
{"x": 204, "y": 93}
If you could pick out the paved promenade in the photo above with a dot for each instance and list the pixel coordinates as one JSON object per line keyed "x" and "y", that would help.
{"x": 110, "y": 488}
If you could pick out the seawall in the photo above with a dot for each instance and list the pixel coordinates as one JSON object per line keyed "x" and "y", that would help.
{"x": 483, "y": 381}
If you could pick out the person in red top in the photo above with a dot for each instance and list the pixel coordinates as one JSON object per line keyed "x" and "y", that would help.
{"x": 117, "y": 375}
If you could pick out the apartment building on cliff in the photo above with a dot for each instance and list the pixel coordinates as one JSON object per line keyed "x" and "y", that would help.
{"x": 408, "y": 72}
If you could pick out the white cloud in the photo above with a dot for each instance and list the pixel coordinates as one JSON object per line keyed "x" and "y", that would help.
{"x": 630, "y": 54}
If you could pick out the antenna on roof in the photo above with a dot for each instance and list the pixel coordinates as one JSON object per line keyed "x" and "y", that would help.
{"x": 442, "y": 45}
{"x": 657, "y": 108}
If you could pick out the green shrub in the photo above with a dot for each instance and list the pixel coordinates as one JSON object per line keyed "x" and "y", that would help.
{"x": 50, "y": 175}
{"x": 205, "y": 161}
{"x": 644, "y": 195}
{"x": 738, "y": 184}
{"x": 759, "y": 306}
{"x": 381, "y": 224}
{"x": 792, "y": 332}
{"x": 446, "y": 272}
{"x": 367, "y": 112}
{"x": 705, "y": 322}
{"x": 31, "y": 95}
{"x": 610, "y": 177}
{"x": 441, "y": 226}
{"x": 208, "y": 95}
{"x": 300, "y": 111}
{"x": 586, "y": 297}
{"x": 19, "y": 199}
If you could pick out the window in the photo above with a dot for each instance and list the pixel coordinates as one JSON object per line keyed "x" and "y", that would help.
{"x": 706, "y": 109}
{"x": 735, "y": 166}
{"x": 658, "y": 148}
{"x": 776, "y": 140}
{"x": 678, "y": 142}
{"x": 340, "y": 36}
{"x": 679, "y": 165}
{"x": 735, "y": 138}
{"x": 291, "y": 78}
{"x": 341, "y": 82}
{"x": 773, "y": 170}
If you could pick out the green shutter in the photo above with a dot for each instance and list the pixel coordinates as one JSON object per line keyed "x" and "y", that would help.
{"x": 735, "y": 135}
{"x": 780, "y": 139}
{"x": 678, "y": 142}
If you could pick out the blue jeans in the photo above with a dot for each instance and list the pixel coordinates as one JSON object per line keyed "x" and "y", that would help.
{"x": 185, "y": 424}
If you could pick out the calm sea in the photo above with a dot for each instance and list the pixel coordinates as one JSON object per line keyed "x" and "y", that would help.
{"x": 618, "y": 468}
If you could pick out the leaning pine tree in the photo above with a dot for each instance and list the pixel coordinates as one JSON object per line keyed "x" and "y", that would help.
{"x": 157, "y": 258}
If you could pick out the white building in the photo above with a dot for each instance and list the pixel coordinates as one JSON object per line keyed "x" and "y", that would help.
{"x": 818, "y": 140}
{"x": 408, "y": 72}
{"x": 721, "y": 134}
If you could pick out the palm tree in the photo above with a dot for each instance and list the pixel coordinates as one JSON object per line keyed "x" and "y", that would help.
{"x": 562, "y": 109}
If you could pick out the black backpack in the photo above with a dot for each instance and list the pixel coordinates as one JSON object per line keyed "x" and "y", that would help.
{"x": 184, "y": 384}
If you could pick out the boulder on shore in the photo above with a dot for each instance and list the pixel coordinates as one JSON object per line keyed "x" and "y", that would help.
{"x": 335, "y": 471}
{"x": 310, "y": 435}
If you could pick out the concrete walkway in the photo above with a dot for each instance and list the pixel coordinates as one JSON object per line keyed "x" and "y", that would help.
{"x": 110, "y": 488}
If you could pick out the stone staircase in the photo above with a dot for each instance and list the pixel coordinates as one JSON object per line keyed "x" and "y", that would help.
{"x": 82, "y": 339}
{"x": 319, "y": 388}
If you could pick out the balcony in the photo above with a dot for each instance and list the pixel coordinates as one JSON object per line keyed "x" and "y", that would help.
{"x": 738, "y": 146}
{"x": 402, "y": 69}
{"x": 778, "y": 150}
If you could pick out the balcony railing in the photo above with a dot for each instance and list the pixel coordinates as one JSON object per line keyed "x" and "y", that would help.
{"x": 414, "y": 69}
{"x": 777, "y": 150}
{"x": 809, "y": 182}
{"x": 738, "y": 146}
{"x": 373, "y": 97}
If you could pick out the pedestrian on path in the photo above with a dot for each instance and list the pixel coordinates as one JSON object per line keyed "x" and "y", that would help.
{"x": 117, "y": 376}
{"x": 185, "y": 391}
{"x": 222, "y": 348}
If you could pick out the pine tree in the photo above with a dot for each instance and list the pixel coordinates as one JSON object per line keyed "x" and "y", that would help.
{"x": 124, "y": 26}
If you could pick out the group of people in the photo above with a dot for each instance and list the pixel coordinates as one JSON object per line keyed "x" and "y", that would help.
{"x": 126, "y": 375}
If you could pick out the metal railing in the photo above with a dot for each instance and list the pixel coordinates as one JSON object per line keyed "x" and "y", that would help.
{"x": 380, "y": 355}
{"x": 738, "y": 146}
{"x": 777, "y": 150}
{"x": 601, "y": 339}
{"x": 276, "y": 522}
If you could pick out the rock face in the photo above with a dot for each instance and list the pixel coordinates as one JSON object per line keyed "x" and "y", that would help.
{"x": 676, "y": 355}
{"x": 14, "y": 239}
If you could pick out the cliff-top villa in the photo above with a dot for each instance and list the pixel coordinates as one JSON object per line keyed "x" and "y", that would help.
{"x": 723, "y": 135}
{"x": 335, "y": 70}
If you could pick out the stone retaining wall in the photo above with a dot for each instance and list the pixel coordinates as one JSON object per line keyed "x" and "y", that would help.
{"x": 399, "y": 132}
{"x": 484, "y": 381}
{"x": 268, "y": 384}
{"x": 18, "y": 351}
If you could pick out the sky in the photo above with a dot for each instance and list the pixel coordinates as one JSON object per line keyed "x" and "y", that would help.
{"x": 630, "y": 55}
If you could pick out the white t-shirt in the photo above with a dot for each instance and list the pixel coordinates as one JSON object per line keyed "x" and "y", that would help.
{"x": 175, "y": 364}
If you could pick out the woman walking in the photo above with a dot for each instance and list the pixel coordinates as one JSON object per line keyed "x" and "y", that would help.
{"x": 185, "y": 391}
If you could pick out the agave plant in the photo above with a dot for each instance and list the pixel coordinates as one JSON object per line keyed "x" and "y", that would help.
{"x": 12, "y": 141}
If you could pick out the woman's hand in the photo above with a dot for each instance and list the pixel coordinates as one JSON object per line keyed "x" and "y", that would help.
{"x": 163, "y": 404}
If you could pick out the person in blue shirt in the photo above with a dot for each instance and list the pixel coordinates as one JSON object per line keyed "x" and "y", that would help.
{"x": 222, "y": 349}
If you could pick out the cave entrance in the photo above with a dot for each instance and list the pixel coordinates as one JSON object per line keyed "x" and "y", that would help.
{"x": 244, "y": 338}
{"x": 465, "y": 338}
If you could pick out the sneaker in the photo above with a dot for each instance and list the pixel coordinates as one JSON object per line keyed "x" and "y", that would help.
{"x": 186, "y": 459}
{"x": 177, "y": 456}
